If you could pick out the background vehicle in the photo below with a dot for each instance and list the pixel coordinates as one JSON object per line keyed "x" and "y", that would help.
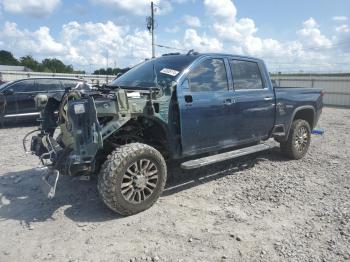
{"x": 18, "y": 96}
{"x": 173, "y": 107}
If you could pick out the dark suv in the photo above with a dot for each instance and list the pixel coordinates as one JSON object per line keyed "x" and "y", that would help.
{"x": 17, "y": 97}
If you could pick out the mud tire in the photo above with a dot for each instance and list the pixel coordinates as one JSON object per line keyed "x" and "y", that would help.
{"x": 289, "y": 148}
{"x": 111, "y": 176}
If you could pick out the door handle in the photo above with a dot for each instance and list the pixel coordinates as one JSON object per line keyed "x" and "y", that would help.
{"x": 268, "y": 98}
{"x": 229, "y": 101}
{"x": 188, "y": 99}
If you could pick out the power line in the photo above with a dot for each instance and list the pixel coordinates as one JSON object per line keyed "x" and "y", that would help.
{"x": 170, "y": 47}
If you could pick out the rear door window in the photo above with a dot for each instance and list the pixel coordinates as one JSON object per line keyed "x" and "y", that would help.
{"x": 69, "y": 83}
{"x": 246, "y": 75}
{"x": 209, "y": 75}
{"x": 48, "y": 84}
{"x": 23, "y": 86}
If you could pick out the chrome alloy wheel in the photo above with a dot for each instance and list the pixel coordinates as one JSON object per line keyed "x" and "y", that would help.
{"x": 139, "y": 181}
{"x": 301, "y": 139}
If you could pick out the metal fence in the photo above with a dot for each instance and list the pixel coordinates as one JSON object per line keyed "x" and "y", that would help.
{"x": 15, "y": 75}
{"x": 336, "y": 88}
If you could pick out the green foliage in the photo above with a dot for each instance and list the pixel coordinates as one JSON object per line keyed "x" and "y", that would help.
{"x": 56, "y": 66}
{"x": 6, "y": 58}
{"x": 30, "y": 62}
{"x": 49, "y": 65}
{"x": 110, "y": 71}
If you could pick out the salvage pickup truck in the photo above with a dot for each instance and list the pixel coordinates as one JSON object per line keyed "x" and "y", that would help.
{"x": 202, "y": 108}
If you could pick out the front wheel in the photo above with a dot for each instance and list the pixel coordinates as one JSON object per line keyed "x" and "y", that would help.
{"x": 132, "y": 178}
{"x": 298, "y": 141}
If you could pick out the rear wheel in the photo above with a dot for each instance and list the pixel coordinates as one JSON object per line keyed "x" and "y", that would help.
{"x": 132, "y": 178}
{"x": 298, "y": 141}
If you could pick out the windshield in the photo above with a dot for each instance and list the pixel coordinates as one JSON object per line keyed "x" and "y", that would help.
{"x": 4, "y": 85}
{"x": 162, "y": 70}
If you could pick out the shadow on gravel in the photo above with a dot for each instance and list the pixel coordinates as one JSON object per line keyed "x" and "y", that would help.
{"x": 19, "y": 123}
{"x": 179, "y": 180}
{"x": 21, "y": 197}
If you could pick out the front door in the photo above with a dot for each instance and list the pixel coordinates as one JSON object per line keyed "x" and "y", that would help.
{"x": 205, "y": 100}
{"x": 22, "y": 99}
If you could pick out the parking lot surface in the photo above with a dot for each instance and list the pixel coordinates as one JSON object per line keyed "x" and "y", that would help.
{"x": 258, "y": 208}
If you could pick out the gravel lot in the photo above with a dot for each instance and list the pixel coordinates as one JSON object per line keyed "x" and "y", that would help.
{"x": 258, "y": 208}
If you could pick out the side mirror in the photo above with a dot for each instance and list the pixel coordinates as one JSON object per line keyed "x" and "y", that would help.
{"x": 9, "y": 92}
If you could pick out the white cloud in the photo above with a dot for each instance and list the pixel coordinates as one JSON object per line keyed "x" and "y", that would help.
{"x": 226, "y": 25}
{"x": 36, "y": 8}
{"x": 137, "y": 7}
{"x": 224, "y": 9}
{"x": 343, "y": 29}
{"x": 343, "y": 38}
{"x": 80, "y": 43}
{"x": 200, "y": 43}
{"x": 38, "y": 42}
{"x": 240, "y": 36}
{"x": 311, "y": 35}
{"x": 192, "y": 21}
{"x": 340, "y": 18}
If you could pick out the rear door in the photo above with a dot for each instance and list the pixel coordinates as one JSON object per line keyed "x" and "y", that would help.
{"x": 69, "y": 83}
{"x": 49, "y": 85}
{"x": 254, "y": 107}
{"x": 204, "y": 99}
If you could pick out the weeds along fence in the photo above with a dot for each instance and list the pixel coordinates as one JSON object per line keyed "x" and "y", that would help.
{"x": 336, "y": 88}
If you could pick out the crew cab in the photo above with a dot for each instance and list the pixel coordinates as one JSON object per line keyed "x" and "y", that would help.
{"x": 202, "y": 108}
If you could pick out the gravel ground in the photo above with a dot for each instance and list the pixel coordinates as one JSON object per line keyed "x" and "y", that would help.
{"x": 257, "y": 208}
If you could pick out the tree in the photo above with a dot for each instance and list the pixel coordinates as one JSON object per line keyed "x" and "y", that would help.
{"x": 56, "y": 66}
{"x": 30, "y": 62}
{"x": 110, "y": 71}
{"x": 6, "y": 58}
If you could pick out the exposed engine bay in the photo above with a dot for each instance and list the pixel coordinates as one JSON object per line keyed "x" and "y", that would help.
{"x": 79, "y": 128}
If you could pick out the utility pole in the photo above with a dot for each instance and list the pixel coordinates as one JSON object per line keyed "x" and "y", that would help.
{"x": 150, "y": 27}
{"x": 107, "y": 69}
{"x": 152, "y": 30}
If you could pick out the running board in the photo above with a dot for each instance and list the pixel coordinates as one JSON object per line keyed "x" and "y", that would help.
{"x": 196, "y": 163}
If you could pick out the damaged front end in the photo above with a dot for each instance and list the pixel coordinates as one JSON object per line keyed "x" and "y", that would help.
{"x": 73, "y": 150}
{"x": 70, "y": 135}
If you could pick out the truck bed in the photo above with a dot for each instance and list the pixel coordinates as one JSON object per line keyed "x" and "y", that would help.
{"x": 290, "y": 99}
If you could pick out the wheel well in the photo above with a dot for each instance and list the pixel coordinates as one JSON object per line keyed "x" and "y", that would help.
{"x": 155, "y": 134}
{"x": 306, "y": 114}
{"x": 143, "y": 130}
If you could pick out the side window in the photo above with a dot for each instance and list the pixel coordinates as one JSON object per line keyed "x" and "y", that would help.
{"x": 210, "y": 75}
{"x": 48, "y": 84}
{"x": 23, "y": 86}
{"x": 246, "y": 75}
{"x": 69, "y": 83}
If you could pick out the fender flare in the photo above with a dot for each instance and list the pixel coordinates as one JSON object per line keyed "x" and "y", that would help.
{"x": 295, "y": 111}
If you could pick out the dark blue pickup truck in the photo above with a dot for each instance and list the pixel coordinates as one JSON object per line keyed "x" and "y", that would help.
{"x": 202, "y": 108}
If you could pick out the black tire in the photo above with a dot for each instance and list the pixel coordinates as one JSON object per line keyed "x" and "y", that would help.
{"x": 298, "y": 141}
{"x": 125, "y": 171}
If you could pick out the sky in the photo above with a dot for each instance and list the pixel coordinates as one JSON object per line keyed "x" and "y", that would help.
{"x": 290, "y": 36}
